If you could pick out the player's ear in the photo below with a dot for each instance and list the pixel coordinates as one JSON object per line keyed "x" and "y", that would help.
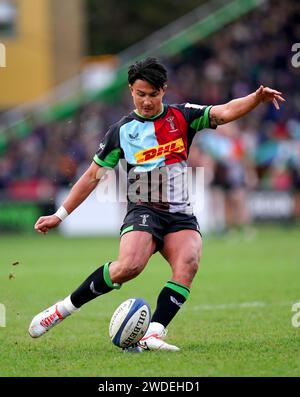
{"x": 131, "y": 89}
{"x": 164, "y": 88}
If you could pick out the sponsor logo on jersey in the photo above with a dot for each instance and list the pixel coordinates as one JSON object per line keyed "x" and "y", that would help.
{"x": 132, "y": 137}
{"x": 176, "y": 146}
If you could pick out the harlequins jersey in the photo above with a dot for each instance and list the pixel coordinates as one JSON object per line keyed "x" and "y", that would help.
{"x": 155, "y": 152}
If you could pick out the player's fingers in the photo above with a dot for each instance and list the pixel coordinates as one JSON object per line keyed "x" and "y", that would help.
{"x": 275, "y": 92}
{"x": 43, "y": 230}
{"x": 41, "y": 223}
{"x": 271, "y": 91}
{"x": 260, "y": 90}
{"x": 38, "y": 226}
{"x": 276, "y": 104}
{"x": 278, "y": 97}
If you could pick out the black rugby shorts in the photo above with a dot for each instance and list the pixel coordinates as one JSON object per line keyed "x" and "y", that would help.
{"x": 158, "y": 223}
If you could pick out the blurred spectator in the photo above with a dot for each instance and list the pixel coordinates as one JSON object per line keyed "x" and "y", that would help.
{"x": 233, "y": 172}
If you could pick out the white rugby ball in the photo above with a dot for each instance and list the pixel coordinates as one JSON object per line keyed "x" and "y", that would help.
{"x": 130, "y": 322}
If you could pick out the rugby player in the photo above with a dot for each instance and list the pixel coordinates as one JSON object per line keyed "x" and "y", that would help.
{"x": 154, "y": 141}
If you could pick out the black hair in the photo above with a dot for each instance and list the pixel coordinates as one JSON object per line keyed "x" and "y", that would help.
{"x": 150, "y": 70}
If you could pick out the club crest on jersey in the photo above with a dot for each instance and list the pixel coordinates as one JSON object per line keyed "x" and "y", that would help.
{"x": 170, "y": 120}
{"x": 176, "y": 146}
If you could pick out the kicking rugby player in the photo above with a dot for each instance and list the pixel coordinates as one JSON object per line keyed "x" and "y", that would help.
{"x": 154, "y": 140}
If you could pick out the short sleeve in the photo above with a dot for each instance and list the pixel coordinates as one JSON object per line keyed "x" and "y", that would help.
{"x": 197, "y": 116}
{"x": 109, "y": 151}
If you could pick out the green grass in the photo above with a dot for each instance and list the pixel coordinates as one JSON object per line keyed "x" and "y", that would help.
{"x": 237, "y": 321}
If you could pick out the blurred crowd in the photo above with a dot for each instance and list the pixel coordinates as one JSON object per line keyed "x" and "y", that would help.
{"x": 260, "y": 151}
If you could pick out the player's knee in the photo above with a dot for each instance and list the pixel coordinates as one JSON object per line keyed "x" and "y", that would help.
{"x": 192, "y": 264}
{"x": 134, "y": 269}
{"x": 131, "y": 266}
{"x": 185, "y": 270}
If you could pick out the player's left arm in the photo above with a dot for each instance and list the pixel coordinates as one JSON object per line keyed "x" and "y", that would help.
{"x": 221, "y": 114}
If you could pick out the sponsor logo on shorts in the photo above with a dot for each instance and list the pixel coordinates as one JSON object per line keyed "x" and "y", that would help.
{"x": 155, "y": 152}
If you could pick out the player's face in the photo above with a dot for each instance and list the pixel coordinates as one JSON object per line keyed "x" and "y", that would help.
{"x": 147, "y": 99}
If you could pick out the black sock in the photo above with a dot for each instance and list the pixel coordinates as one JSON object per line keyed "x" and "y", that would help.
{"x": 169, "y": 301}
{"x": 98, "y": 283}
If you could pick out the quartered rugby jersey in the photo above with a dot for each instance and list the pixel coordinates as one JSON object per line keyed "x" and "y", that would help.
{"x": 155, "y": 153}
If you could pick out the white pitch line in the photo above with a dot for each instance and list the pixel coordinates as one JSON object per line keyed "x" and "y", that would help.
{"x": 242, "y": 305}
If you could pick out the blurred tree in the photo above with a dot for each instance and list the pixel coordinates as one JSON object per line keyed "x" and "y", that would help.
{"x": 114, "y": 25}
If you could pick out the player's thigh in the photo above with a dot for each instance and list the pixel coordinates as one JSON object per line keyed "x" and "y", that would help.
{"x": 182, "y": 250}
{"x": 136, "y": 247}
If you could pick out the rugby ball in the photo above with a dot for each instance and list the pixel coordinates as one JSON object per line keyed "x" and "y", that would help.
{"x": 130, "y": 322}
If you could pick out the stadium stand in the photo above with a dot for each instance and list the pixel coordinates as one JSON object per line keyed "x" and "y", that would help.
{"x": 262, "y": 151}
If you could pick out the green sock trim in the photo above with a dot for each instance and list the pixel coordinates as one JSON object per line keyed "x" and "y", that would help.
{"x": 180, "y": 288}
{"x": 107, "y": 278}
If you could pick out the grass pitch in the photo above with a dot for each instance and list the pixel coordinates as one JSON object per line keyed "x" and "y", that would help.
{"x": 237, "y": 321}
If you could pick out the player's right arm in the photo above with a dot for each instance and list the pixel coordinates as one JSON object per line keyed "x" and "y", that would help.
{"x": 107, "y": 156}
{"x": 79, "y": 192}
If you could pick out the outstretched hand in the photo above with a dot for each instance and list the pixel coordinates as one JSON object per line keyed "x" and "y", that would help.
{"x": 266, "y": 94}
{"x": 44, "y": 223}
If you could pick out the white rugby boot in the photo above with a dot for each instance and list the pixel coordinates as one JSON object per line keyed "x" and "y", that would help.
{"x": 153, "y": 340}
{"x": 50, "y": 317}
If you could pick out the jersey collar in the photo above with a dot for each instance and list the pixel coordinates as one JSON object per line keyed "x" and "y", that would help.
{"x": 141, "y": 118}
